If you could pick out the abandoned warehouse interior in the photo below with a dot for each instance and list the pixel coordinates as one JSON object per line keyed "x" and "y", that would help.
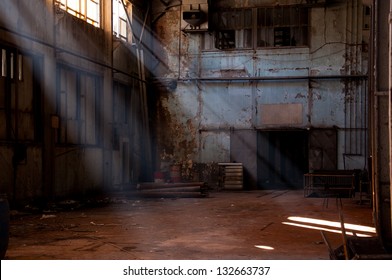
{"x": 133, "y": 112}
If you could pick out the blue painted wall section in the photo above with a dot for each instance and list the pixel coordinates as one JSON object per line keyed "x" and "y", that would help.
{"x": 319, "y": 86}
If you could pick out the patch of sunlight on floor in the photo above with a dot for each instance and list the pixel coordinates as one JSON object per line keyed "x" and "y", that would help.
{"x": 263, "y": 247}
{"x": 330, "y": 226}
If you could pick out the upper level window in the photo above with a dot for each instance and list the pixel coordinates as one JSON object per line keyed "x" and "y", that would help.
{"x": 282, "y": 26}
{"x": 120, "y": 18}
{"x": 277, "y": 26}
{"x": 234, "y": 29}
{"x": 88, "y": 10}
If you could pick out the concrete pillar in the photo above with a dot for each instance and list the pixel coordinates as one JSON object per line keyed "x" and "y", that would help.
{"x": 107, "y": 93}
{"x": 390, "y": 118}
{"x": 380, "y": 106}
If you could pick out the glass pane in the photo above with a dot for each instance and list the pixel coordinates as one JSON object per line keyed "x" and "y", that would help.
{"x": 303, "y": 16}
{"x": 248, "y": 38}
{"x": 123, "y": 28}
{"x": 278, "y": 16}
{"x": 236, "y": 20}
{"x": 93, "y": 11}
{"x": 261, "y": 18}
{"x": 269, "y": 17}
{"x": 208, "y": 41}
{"x": 73, "y": 4}
{"x": 225, "y": 39}
{"x": 286, "y": 19}
{"x": 294, "y": 16}
{"x": 225, "y": 20}
{"x": 247, "y": 18}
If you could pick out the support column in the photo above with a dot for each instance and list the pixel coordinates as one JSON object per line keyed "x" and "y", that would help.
{"x": 107, "y": 95}
{"x": 390, "y": 117}
{"x": 381, "y": 121}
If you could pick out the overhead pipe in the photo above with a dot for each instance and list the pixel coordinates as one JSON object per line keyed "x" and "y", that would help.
{"x": 276, "y": 78}
{"x": 69, "y": 52}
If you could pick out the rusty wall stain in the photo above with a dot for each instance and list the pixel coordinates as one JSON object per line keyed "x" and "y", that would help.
{"x": 177, "y": 136}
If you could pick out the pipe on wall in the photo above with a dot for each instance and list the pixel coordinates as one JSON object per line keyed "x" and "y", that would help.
{"x": 275, "y": 78}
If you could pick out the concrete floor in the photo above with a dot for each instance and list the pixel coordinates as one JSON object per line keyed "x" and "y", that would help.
{"x": 225, "y": 225}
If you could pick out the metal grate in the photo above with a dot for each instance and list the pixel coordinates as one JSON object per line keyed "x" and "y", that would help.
{"x": 329, "y": 184}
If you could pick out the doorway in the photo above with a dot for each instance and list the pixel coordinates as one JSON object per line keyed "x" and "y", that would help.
{"x": 282, "y": 159}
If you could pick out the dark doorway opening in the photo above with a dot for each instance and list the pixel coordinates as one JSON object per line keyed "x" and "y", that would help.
{"x": 282, "y": 159}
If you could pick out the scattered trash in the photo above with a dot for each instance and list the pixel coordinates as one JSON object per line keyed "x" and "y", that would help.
{"x": 96, "y": 224}
{"x": 68, "y": 202}
{"x": 266, "y": 226}
{"x": 44, "y": 216}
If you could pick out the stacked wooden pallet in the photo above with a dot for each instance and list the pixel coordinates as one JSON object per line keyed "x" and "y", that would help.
{"x": 231, "y": 176}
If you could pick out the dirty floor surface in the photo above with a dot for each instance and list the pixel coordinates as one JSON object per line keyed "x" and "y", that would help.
{"x": 225, "y": 225}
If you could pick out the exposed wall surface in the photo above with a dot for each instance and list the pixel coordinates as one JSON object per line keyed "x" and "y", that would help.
{"x": 322, "y": 85}
{"x": 74, "y": 111}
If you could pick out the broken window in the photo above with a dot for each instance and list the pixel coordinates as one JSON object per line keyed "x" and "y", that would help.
{"x": 120, "y": 18}
{"x": 233, "y": 29}
{"x": 277, "y": 26}
{"x": 87, "y": 10}
{"x": 78, "y": 107}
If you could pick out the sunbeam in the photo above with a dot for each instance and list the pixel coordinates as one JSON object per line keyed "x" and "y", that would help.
{"x": 330, "y": 226}
{"x": 324, "y": 229}
{"x": 333, "y": 224}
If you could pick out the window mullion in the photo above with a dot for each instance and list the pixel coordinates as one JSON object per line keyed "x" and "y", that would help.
{"x": 254, "y": 28}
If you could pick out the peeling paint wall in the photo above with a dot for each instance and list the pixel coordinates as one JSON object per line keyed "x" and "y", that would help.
{"x": 228, "y": 90}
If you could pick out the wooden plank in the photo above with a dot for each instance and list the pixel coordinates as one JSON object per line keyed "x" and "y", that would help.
{"x": 233, "y": 187}
{"x": 178, "y": 189}
{"x": 230, "y": 164}
{"x": 143, "y": 186}
{"x": 233, "y": 183}
{"x": 172, "y": 194}
{"x": 231, "y": 175}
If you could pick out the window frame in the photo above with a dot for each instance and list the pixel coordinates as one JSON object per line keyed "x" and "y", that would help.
{"x": 19, "y": 106}
{"x": 244, "y": 33}
{"x": 122, "y": 110}
{"x": 72, "y": 107}
{"x": 82, "y": 10}
{"x": 120, "y": 19}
